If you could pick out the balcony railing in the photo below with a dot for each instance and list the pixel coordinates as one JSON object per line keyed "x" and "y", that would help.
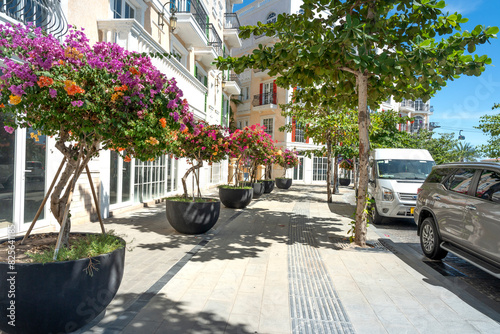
{"x": 423, "y": 107}
{"x": 46, "y": 14}
{"x": 195, "y": 8}
{"x": 233, "y": 77}
{"x": 264, "y": 98}
{"x": 407, "y": 103}
{"x": 214, "y": 39}
{"x": 232, "y": 21}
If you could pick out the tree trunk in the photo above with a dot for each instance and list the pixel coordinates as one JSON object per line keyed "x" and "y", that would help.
{"x": 59, "y": 199}
{"x": 184, "y": 185}
{"x": 336, "y": 176}
{"x": 364, "y": 151}
{"x": 329, "y": 170}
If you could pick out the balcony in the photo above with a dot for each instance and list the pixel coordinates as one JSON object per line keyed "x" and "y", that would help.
{"x": 264, "y": 101}
{"x": 46, "y": 14}
{"x": 231, "y": 30}
{"x": 192, "y": 22}
{"x": 129, "y": 34}
{"x": 257, "y": 73}
{"x": 211, "y": 50}
{"x": 407, "y": 105}
{"x": 422, "y": 107}
{"x": 232, "y": 85}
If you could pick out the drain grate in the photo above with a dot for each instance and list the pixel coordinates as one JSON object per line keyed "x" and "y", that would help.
{"x": 314, "y": 304}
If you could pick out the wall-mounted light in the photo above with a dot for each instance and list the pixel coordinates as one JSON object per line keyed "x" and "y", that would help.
{"x": 173, "y": 18}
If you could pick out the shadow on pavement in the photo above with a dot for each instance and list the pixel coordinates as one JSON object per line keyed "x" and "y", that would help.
{"x": 175, "y": 317}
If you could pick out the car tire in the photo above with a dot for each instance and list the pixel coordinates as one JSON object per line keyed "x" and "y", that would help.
{"x": 376, "y": 218}
{"x": 430, "y": 240}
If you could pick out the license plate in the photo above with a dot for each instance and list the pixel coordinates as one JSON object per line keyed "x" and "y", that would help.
{"x": 412, "y": 210}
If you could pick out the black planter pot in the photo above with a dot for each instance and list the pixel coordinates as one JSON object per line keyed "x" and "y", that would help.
{"x": 268, "y": 186}
{"x": 58, "y": 297}
{"x": 235, "y": 198}
{"x": 258, "y": 188}
{"x": 192, "y": 217}
{"x": 344, "y": 181}
{"x": 282, "y": 183}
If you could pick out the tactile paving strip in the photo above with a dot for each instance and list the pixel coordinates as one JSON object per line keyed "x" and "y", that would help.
{"x": 314, "y": 304}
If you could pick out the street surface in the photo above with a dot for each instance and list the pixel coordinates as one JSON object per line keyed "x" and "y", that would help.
{"x": 405, "y": 231}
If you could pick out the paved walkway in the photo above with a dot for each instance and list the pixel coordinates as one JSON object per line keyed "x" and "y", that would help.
{"x": 282, "y": 265}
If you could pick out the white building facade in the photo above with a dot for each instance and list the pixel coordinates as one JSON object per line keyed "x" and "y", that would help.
{"x": 194, "y": 31}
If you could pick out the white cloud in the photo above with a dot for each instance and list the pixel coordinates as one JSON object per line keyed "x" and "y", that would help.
{"x": 462, "y": 6}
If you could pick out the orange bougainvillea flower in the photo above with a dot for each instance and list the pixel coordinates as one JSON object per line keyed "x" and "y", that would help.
{"x": 127, "y": 159}
{"x": 61, "y": 62}
{"x": 134, "y": 71}
{"x": 163, "y": 122}
{"x": 14, "y": 99}
{"x": 44, "y": 81}
{"x": 72, "y": 53}
{"x": 120, "y": 149}
{"x": 121, "y": 88}
{"x": 153, "y": 141}
{"x": 72, "y": 88}
{"x": 2, "y": 105}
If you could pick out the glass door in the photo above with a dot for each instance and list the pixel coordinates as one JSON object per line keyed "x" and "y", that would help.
{"x": 298, "y": 172}
{"x": 34, "y": 174}
{"x": 7, "y": 176}
{"x": 120, "y": 179}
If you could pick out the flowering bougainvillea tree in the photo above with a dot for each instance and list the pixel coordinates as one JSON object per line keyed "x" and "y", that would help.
{"x": 198, "y": 143}
{"x": 88, "y": 97}
{"x": 252, "y": 147}
{"x": 287, "y": 159}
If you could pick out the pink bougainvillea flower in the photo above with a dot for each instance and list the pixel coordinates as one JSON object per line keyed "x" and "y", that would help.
{"x": 78, "y": 103}
{"x": 52, "y": 93}
{"x": 9, "y": 129}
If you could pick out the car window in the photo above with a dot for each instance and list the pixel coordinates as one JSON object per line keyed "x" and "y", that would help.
{"x": 460, "y": 181}
{"x": 437, "y": 175}
{"x": 489, "y": 186}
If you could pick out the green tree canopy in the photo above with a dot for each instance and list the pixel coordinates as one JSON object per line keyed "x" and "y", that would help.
{"x": 370, "y": 50}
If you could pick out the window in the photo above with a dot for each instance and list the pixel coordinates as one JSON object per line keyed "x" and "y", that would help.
{"x": 299, "y": 133}
{"x": 242, "y": 124}
{"x": 437, "y": 175}
{"x": 245, "y": 93}
{"x": 268, "y": 123}
{"x": 418, "y": 123}
{"x": 123, "y": 9}
{"x": 460, "y": 181}
{"x": 201, "y": 75}
{"x": 489, "y": 186}
{"x": 271, "y": 18}
{"x": 320, "y": 168}
{"x": 298, "y": 171}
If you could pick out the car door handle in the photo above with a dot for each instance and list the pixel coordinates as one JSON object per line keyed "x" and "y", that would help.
{"x": 471, "y": 207}
{"x": 436, "y": 197}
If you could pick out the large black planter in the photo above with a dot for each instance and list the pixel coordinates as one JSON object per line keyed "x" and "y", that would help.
{"x": 192, "y": 217}
{"x": 58, "y": 297}
{"x": 258, "y": 188}
{"x": 283, "y": 183}
{"x": 344, "y": 181}
{"x": 268, "y": 186}
{"x": 235, "y": 198}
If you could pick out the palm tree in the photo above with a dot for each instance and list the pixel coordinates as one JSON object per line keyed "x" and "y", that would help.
{"x": 466, "y": 152}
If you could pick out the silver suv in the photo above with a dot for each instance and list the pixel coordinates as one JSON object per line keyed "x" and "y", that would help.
{"x": 458, "y": 211}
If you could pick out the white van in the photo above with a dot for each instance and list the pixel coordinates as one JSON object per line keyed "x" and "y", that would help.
{"x": 395, "y": 175}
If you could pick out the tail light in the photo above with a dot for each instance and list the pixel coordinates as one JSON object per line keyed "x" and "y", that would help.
{"x": 419, "y": 190}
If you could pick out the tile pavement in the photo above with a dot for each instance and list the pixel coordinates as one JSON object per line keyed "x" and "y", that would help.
{"x": 238, "y": 277}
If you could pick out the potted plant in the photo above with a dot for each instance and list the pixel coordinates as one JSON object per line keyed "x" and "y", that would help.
{"x": 346, "y": 165}
{"x": 286, "y": 159}
{"x": 89, "y": 98}
{"x": 201, "y": 142}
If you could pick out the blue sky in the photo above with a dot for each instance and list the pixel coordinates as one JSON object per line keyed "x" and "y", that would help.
{"x": 459, "y": 105}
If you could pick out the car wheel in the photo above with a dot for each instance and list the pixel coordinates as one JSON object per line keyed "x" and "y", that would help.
{"x": 430, "y": 241}
{"x": 376, "y": 217}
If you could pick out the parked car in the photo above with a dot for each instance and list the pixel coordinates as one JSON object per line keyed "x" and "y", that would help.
{"x": 458, "y": 211}
{"x": 395, "y": 175}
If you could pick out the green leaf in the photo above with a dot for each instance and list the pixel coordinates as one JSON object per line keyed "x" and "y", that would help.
{"x": 492, "y": 30}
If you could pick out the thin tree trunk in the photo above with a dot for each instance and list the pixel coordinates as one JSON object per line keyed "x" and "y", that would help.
{"x": 184, "y": 185}
{"x": 364, "y": 151}
{"x": 329, "y": 169}
{"x": 336, "y": 176}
